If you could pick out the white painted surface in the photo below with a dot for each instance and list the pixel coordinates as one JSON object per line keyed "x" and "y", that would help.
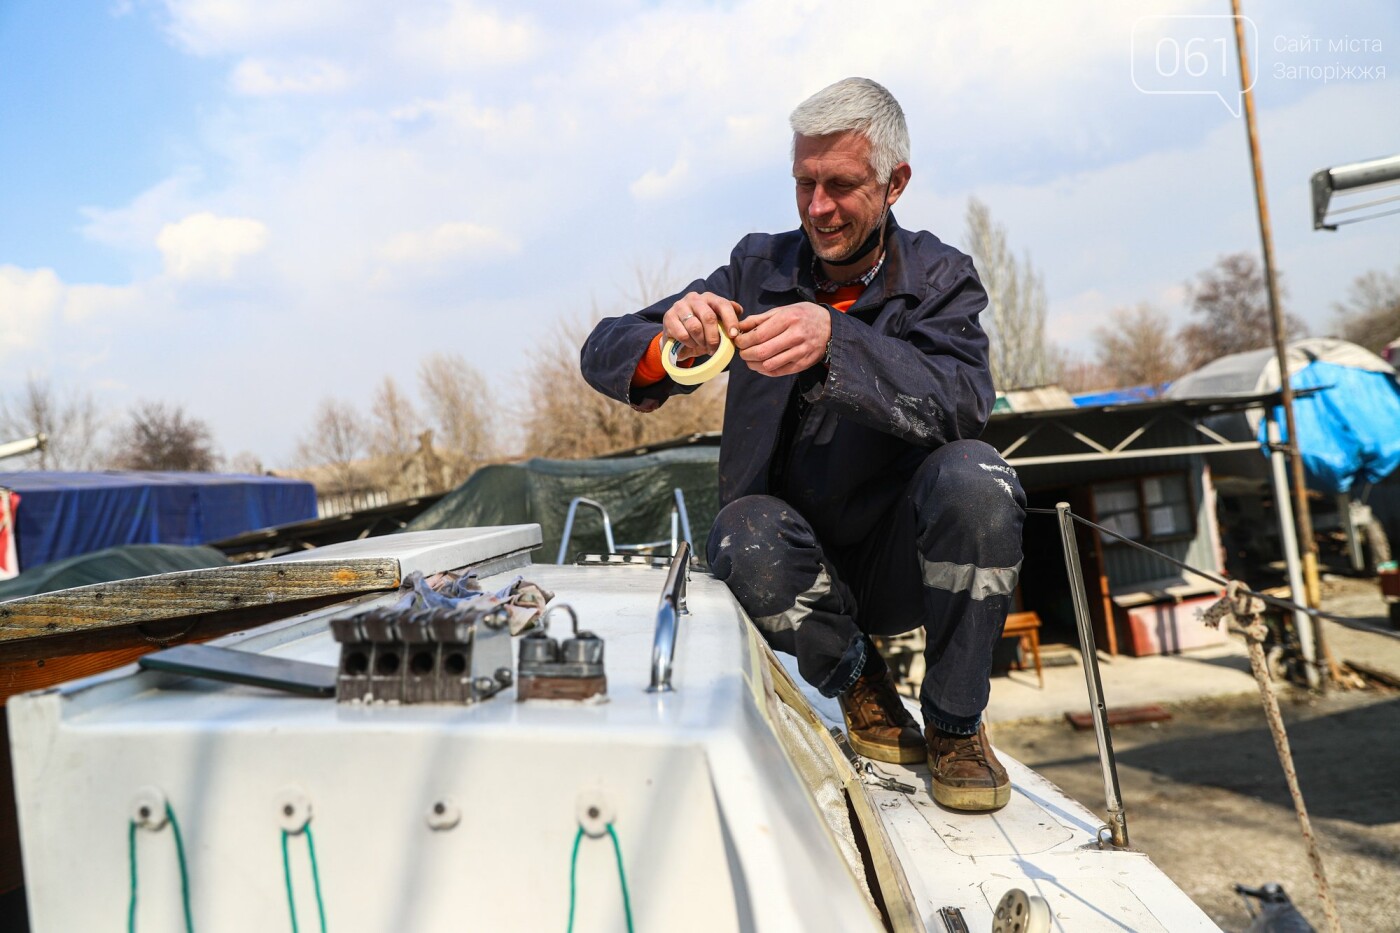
{"x": 429, "y": 551}
{"x": 716, "y": 831}
{"x": 1041, "y": 842}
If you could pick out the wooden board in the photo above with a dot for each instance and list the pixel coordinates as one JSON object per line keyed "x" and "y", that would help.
{"x": 22, "y": 676}
{"x": 1122, "y": 716}
{"x": 159, "y": 608}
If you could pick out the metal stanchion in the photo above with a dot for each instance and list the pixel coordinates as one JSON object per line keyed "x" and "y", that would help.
{"x": 1117, "y": 819}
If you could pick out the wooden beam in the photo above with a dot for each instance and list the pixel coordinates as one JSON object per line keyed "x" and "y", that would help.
{"x": 157, "y": 602}
{"x": 21, "y": 676}
{"x": 157, "y": 634}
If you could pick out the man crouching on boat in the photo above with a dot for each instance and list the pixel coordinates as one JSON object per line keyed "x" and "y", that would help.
{"x": 856, "y": 498}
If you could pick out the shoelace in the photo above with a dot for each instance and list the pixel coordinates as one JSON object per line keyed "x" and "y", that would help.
{"x": 867, "y": 693}
{"x": 967, "y": 748}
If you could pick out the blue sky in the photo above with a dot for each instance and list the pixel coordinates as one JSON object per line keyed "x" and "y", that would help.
{"x": 248, "y": 205}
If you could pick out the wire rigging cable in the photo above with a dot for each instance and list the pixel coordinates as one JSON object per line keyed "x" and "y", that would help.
{"x": 1214, "y": 578}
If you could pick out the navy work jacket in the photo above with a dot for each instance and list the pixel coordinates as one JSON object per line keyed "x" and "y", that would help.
{"x": 908, "y": 373}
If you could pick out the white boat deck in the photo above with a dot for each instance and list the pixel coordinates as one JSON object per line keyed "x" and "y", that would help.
{"x": 1041, "y": 842}
{"x": 715, "y": 828}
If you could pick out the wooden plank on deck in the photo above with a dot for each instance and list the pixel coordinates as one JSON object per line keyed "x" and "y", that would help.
{"x": 188, "y": 593}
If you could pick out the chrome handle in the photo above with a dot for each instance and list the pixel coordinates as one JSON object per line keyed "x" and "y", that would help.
{"x": 663, "y": 644}
{"x": 679, "y": 516}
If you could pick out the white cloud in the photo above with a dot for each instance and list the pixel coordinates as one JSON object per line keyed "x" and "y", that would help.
{"x": 209, "y": 27}
{"x": 464, "y": 37}
{"x": 28, "y": 300}
{"x": 257, "y": 77}
{"x": 455, "y": 242}
{"x": 582, "y": 138}
{"x": 654, "y": 185}
{"x": 86, "y": 303}
{"x": 33, "y": 301}
{"x": 206, "y": 246}
{"x": 134, "y": 226}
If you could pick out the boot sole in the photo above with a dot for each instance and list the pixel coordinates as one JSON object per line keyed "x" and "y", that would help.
{"x": 895, "y": 755}
{"x": 972, "y": 799}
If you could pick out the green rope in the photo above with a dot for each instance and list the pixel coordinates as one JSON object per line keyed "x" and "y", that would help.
{"x": 184, "y": 874}
{"x": 287, "y": 875}
{"x": 315, "y": 879}
{"x": 573, "y": 873}
{"x": 184, "y": 871}
{"x": 131, "y": 859}
{"x": 621, "y": 877}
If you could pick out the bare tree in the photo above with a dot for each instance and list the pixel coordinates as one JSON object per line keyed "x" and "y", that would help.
{"x": 1371, "y": 314}
{"x": 463, "y": 412}
{"x": 393, "y": 434}
{"x": 70, "y": 421}
{"x": 164, "y": 437}
{"x": 1234, "y": 300}
{"x": 245, "y": 461}
{"x": 567, "y": 418}
{"x": 1016, "y": 304}
{"x": 394, "y": 424}
{"x": 336, "y": 442}
{"x": 1137, "y": 348}
{"x": 1078, "y": 373}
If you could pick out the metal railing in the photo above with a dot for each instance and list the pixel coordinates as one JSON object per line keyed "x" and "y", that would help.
{"x": 680, "y": 528}
{"x": 668, "y": 613}
{"x": 1117, "y": 827}
{"x": 569, "y": 526}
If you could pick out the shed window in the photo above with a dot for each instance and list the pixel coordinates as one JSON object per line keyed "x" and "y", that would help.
{"x": 1147, "y": 508}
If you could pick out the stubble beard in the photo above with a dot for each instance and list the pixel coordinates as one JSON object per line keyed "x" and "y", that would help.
{"x": 837, "y": 254}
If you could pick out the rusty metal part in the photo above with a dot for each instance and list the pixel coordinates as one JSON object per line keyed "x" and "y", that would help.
{"x": 560, "y": 688}
{"x": 551, "y": 670}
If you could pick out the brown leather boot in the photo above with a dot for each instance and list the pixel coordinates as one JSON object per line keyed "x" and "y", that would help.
{"x": 966, "y": 773}
{"x": 877, "y": 724}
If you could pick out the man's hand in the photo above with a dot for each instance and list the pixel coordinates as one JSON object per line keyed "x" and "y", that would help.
{"x": 784, "y": 340}
{"x": 695, "y": 321}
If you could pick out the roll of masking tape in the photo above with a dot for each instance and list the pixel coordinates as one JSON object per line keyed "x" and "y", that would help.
{"x": 703, "y": 371}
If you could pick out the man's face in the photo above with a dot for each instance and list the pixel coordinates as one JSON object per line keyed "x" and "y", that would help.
{"x": 839, "y": 199}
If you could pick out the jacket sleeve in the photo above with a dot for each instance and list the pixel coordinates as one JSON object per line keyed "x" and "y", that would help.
{"x": 930, "y": 384}
{"x": 612, "y": 351}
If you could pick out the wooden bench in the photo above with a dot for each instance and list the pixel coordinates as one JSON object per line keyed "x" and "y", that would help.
{"x": 1026, "y": 627}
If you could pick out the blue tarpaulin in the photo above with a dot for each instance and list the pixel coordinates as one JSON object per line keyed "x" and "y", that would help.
{"x": 1350, "y": 431}
{"x": 1125, "y": 396}
{"x": 64, "y": 514}
{"x": 1348, "y": 425}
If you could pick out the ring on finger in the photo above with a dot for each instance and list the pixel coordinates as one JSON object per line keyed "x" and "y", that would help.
{"x": 688, "y": 316}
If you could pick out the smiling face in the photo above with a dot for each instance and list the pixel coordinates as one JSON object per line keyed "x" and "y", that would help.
{"x": 839, "y": 197}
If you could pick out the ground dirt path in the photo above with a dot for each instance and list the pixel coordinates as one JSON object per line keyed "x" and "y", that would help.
{"x": 1206, "y": 798}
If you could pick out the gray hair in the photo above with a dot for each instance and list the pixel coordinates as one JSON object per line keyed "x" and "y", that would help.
{"x": 857, "y": 104}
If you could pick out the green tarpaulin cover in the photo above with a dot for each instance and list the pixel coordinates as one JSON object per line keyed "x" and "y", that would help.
{"x": 636, "y": 491}
{"x": 113, "y": 563}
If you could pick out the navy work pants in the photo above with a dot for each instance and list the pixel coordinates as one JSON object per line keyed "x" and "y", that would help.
{"x": 945, "y": 556}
